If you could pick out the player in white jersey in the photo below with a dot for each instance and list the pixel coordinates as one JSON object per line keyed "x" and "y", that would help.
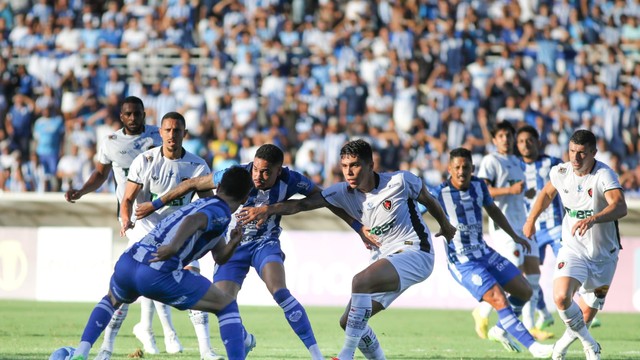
{"x": 594, "y": 202}
{"x": 152, "y": 174}
{"x": 387, "y": 205}
{"x": 502, "y": 173}
{"x": 116, "y": 153}
{"x": 154, "y": 266}
{"x": 474, "y": 264}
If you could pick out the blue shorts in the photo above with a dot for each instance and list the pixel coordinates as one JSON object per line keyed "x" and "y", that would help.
{"x": 180, "y": 288}
{"x": 254, "y": 254}
{"x": 552, "y": 238}
{"x": 480, "y": 275}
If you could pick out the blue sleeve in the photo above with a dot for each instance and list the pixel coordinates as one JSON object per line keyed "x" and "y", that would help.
{"x": 297, "y": 183}
{"x": 487, "y": 200}
{"x": 218, "y": 217}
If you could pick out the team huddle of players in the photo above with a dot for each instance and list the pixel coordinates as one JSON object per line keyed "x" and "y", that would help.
{"x": 532, "y": 201}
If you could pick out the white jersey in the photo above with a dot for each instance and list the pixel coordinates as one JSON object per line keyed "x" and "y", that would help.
{"x": 503, "y": 171}
{"x": 119, "y": 150}
{"x": 390, "y": 210}
{"x": 158, "y": 175}
{"x": 583, "y": 196}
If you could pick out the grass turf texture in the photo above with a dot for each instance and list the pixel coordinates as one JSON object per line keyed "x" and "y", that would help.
{"x": 32, "y": 330}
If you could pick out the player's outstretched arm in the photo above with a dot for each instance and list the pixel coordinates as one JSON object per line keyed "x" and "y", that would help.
{"x": 446, "y": 229}
{"x": 616, "y": 209}
{"x": 498, "y": 217}
{"x": 188, "y": 227}
{"x": 97, "y": 178}
{"x": 289, "y": 207}
{"x": 222, "y": 251}
{"x": 545, "y": 197}
{"x": 199, "y": 184}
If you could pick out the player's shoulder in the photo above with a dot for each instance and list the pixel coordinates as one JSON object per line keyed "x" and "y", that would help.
{"x": 562, "y": 169}
{"x": 193, "y": 158}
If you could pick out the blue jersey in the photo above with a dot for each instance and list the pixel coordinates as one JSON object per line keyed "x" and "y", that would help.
{"x": 536, "y": 176}
{"x": 464, "y": 210}
{"x": 196, "y": 246}
{"x": 289, "y": 183}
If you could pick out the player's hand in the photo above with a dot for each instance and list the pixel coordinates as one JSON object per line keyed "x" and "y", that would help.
{"x": 529, "y": 228}
{"x": 582, "y": 226}
{"x": 235, "y": 236}
{"x": 143, "y": 210}
{"x": 370, "y": 240}
{"x": 524, "y": 243}
{"x": 259, "y": 214}
{"x": 72, "y": 195}
{"x": 164, "y": 252}
{"x": 448, "y": 231}
{"x": 126, "y": 225}
{"x": 530, "y": 193}
{"x": 516, "y": 188}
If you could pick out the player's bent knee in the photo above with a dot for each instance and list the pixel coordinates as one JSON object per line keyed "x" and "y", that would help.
{"x": 562, "y": 301}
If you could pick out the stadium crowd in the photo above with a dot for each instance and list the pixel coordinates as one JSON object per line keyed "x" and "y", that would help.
{"x": 415, "y": 78}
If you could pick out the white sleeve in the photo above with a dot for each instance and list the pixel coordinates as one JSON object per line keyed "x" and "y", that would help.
{"x": 136, "y": 170}
{"x": 487, "y": 169}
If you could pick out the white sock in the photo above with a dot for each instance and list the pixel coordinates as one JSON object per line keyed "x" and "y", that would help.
{"x": 83, "y": 349}
{"x": 370, "y": 346}
{"x": 164, "y": 313}
{"x": 359, "y": 313}
{"x": 529, "y": 308}
{"x": 200, "y": 321}
{"x": 146, "y": 313}
{"x": 574, "y": 320}
{"x": 314, "y": 350}
{"x": 484, "y": 309}
{"x": 112, "y": 329}
{"x": 562, "y": 344}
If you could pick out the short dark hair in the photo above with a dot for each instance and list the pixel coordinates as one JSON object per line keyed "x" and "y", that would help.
{"x": 271, "y": 153}
{"x": 236, "y": 183}
{"x": 504, "y": 125}
{"x": 358, "y": 148}
{"x": 175, "y": 116}
{"x": 584, "y": 137}
{"x": 460, "y": 152}
{"x": 133, "y": 100}
{"x": 530, "y": 130}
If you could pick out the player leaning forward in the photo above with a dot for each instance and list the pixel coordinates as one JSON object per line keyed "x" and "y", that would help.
{"x": 387, "y": 204}
{"x": 594, "y": 201}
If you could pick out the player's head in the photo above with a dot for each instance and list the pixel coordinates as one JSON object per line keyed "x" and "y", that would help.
{"x": 235, "y": 183}
{"x": 267, "y": 165}
{"x": 582, "y": 151}
{"x": 528, "y": 142}
{"x": 503, "y": 135}
{"x": 460, "y": 167}
{"x": 132, "y": 115}
{"x": 172, "y": 129}
{"x": 356, "y": 161}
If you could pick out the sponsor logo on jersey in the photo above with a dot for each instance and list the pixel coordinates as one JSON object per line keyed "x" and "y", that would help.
{"x": 370, "y": 206}
{"x": 561, "y": 265}
{"x": 578, "y": 214}
{"x": 590, "y": 192}
{"x": 303, "y": 185}
{"x": 383, "y": 229}
{"x": 387, "y": 204}
{"x": 580, "y": 188}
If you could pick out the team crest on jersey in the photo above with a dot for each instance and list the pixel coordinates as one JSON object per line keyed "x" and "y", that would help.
{"x": 561, "y": 265}
{"x": 590, "y": 192}
{"x": 562, "y": 171}
{"x": 387, "y": 204}
{"x": 516, "y": 253}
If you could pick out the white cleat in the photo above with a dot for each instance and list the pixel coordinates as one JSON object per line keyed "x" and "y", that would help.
{"x": 211, "y": 355}
{"x": 541, "y": 351}
{"x": 249, "y": 343}
{"x": 104, "y": 354}
{"x": 557, "y": 353}
{"x": 172, "y": 344}
{"x": 498, "y": 335}
{"x": 592, "y": 353}
{"x": 146, "y": 338}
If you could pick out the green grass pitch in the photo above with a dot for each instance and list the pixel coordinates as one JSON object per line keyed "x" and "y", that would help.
{"x": 32, "y": 330}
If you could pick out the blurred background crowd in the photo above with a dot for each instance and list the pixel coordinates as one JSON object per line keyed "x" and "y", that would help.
{"x": 416, "y": 78}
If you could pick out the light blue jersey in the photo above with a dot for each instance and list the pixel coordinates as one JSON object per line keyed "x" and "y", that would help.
{"x": 464, "y": 210}
{"x": 196, "y": 246}
{"x": 536, "y": 176}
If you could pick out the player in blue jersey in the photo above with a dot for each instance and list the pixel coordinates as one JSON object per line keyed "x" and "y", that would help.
{"x": 260, "y": 246}
{"x": 475, "y": 265}
{"x": 536, "y": 167}
{"x": 154, "y": 266}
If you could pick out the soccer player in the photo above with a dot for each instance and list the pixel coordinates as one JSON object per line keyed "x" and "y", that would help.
{"x": 536, "y": 167}
{"x": 387, "y": 204}
{"x": 594, "y": 202}
{"x": 475, "y": 265}
{"x": 154, "y": 266}
{"x": 153, "y": 173}
{"x": 505, "y": 180}
{"x": 260, "y": 247}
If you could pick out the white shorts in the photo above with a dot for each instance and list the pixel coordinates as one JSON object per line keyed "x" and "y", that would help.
{"x": 511, "y": 250}
{"x": 594, "y": 277}
{"x": 413, "y": 266}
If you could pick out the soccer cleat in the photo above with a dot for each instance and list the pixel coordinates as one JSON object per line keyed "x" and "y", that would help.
{"x": 78, "y": 357}
{"x": 211, "y": 355}
{"x": 544, "y": 321}
{"x": 557, "y": 353}
{"x": 592, "y": 353}
{"x": 541, "y": 351}
{"x": 146, "y": 338}
{"x": 481, "y": 323}
{"x": 541, "y": 335}
{"x": 103, "y": 355}
{"x": 498, "y": 335}
{"x": 251, "y": 345}
{"x": 595, "y": 323}
{"x": 172, "y": 344}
